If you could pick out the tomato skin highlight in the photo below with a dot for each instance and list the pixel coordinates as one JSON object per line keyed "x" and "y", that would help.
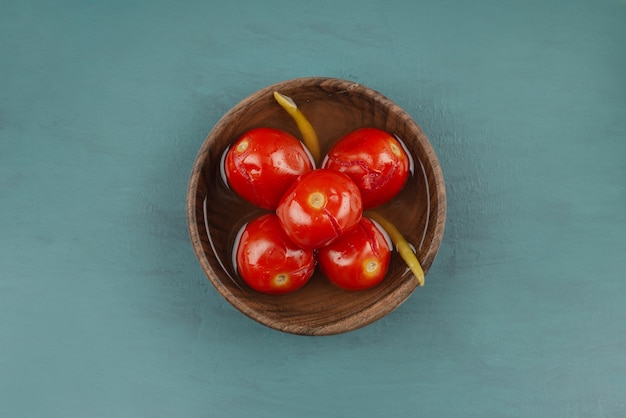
{"x": 357, "y": 260}
{"x": 375, "y": 160}
{"x": 268, "y": 261}
{"x": 263, "y": 163}
{"x": 319, "y": 207}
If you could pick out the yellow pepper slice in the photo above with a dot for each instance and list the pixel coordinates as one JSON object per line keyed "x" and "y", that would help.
{"x": 403, "y": 247}
{"x": 309, "y": 137}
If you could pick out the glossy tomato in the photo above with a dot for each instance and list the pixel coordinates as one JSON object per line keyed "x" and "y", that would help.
{"x": 263, "y": 163}
{"x": 357, "y": 260}
{"x": 375, "y": 160}
{"x": 319, "y": 207}
{"x": 268, "y": 261}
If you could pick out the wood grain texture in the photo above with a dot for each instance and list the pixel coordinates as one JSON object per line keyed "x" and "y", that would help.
{"x": 335, "y": 107}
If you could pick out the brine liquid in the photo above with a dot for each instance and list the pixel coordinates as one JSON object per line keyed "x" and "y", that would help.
{"x": 225, "y": 214}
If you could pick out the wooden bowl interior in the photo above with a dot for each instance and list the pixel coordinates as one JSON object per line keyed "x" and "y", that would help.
{"x": 334, "y": 107}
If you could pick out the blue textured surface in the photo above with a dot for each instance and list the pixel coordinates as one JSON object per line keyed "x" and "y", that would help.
{"x": 105, "y": 312}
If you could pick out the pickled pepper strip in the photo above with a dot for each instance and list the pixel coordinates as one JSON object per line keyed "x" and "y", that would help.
{"x": 309, "y": 137}
{"x": 403, "y": 247}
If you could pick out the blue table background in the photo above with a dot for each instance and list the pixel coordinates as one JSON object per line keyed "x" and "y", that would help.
{"x": 104, "y": 311}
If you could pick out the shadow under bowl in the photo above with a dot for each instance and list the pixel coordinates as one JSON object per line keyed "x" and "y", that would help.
{"x": 215, "y": 213}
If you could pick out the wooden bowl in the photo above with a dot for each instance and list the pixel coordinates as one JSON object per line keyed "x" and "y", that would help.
{"x": 215, "y": 213}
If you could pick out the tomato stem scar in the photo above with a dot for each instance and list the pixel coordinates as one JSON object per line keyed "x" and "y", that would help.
{"x": 317, "y": 200}
{"x": 371, "y": 266}
{"x": 242, "y": 146}
{"x": 394, "y": 148}
{"x": 281, "y": 279}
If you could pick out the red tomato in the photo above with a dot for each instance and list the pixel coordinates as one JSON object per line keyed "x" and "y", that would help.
{"x": 263, "y": 163}
{"x": 268, "y": 261}
{"x": 357, "y": 260}
{"x": 319, "y": 207}
{"x": 375, "y": 160}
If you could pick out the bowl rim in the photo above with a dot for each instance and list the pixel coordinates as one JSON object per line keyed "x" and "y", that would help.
{"x": 369, "y": 314}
